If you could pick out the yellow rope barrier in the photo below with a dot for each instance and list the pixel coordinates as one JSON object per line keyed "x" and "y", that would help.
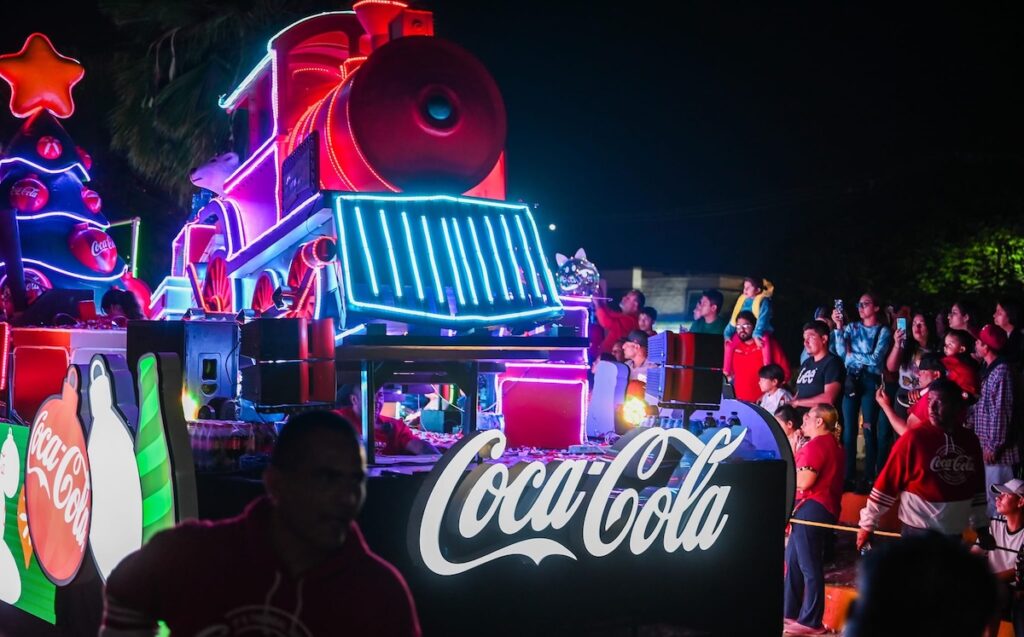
{"x": 839, "y": 527}
{"x": 854, "y": 529}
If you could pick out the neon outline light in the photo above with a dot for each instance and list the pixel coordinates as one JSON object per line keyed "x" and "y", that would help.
{"x": 412, "y": 253}
{"x": 549, "y": 381}
{"x": 70, "y": 215}
{"x": 366, "y": 251}
{"x": 390, "y": 309}
{"x": 465, "y": 261}
{"x": 169, "y": 283}
{"x": 480, "y": 259}
{"x": 252, "y": 163}
{"x": 512, "y": 253}
{"x": 349, "y": 332}
{"x": 228, "y": 101}
{"x": 433, "y": 262}
{"x": 83, "y": 277}
{"x": 83, "y": 173}
{"x": 529, "y": 257}
{"x": 497, "y": 257}
{"x": 550, "y": 280}
{"x": 274, "y": 227}
{"x": 451, "y": 257}
{"x": 391, "y": 253}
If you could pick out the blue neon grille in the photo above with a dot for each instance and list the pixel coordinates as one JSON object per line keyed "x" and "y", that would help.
{"x": 449, "y": 260}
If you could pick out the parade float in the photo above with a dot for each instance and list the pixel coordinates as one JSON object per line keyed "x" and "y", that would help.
{"x": 362, "y": 235}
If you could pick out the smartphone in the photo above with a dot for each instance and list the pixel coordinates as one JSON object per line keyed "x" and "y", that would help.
{"x": 901, "y": 323}
{"x": 839, "y": 305}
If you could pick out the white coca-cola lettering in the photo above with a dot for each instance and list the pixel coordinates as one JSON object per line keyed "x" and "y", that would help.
{"x": 27, "y": 190}
{"x": 102, "y": 245}
{"x": 69, "y": 491}
{"x": 547, "y": 497}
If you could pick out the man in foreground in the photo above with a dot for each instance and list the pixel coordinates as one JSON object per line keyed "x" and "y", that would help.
{"x": 294, "y": 563}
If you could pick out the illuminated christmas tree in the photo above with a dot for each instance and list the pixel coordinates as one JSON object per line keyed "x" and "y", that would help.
{"x": 52, "y": 229}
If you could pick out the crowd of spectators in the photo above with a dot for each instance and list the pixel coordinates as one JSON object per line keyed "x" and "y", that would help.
{"x": 917, "y": 411}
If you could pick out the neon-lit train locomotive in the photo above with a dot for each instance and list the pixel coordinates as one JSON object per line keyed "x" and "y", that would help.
{"x": 373, "y": 189}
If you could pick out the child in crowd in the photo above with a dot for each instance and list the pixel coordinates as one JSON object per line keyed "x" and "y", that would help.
{"x": 773, "y": 394}
{"x": 789, "y": 419}
{"x": 756, "y": 298}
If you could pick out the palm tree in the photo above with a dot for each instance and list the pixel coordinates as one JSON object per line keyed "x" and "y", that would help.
{"x": 178, "y": 57}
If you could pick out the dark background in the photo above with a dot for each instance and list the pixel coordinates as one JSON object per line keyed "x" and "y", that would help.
{"x": 830, "y": 147}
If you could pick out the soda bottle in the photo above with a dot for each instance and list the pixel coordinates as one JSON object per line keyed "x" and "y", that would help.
{"x": 709, "y": 421}
{"x": 722, "y": 422}
{"x": 734, "y": 419}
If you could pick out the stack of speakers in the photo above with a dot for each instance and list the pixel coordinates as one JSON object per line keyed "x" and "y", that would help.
{"x": 686, "y": 368}
{"x": 288, "y": 363}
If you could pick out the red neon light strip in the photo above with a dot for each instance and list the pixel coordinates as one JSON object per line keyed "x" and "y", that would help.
{"x": 330, "y": 141}
{"x": 5, "y": 349}
{"x": 359, "y": 152}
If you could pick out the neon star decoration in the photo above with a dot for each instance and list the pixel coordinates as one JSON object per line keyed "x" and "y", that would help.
{"x": 40, "y": 78}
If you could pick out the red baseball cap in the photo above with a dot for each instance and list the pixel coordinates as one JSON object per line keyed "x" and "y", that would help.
{"x": 993, "y": 336}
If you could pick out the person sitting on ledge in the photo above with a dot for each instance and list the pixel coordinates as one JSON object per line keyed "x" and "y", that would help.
{"x": 294, "y": 563}
{"x": 391, "y": 435}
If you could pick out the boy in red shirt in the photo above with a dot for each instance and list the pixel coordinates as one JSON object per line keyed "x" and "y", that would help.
{"x": 294, "y": 563}
{"x": 618, "y": 325}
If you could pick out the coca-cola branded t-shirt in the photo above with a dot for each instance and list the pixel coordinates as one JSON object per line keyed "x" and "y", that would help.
{"x": 815, "y": 375}
{"x": 824, "y": 456}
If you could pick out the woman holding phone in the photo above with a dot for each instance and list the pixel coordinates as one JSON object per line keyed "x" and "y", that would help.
{"x": 863, "y": 346}
{"x": 906, "y": 354}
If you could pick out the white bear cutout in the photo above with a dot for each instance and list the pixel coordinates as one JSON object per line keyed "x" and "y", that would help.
{"x": 10, "y": 470}
{"x": 215, "y": 172}
{"x": 116, "y": 527}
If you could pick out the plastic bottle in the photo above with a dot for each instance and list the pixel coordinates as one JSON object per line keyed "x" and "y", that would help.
{"x": 722, "y": 422}
{"x": 734, "y": 419}
{"x": 709, "y": 421}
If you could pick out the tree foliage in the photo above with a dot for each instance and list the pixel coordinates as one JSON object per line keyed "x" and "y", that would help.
{"x": 177, "y": 57}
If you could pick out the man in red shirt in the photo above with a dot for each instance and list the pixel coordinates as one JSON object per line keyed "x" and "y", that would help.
{"x": 820, "y": 466}
{"x": 293, "y": 564}
{"x": 391, "y": 435}
{"x": 618, "y": 324}
{"x": 743, "y": 362}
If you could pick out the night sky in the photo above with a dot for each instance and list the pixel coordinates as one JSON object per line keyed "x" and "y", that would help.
{"x": 806, "y": 142}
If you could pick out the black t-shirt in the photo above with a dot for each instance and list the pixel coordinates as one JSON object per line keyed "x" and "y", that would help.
{"x": 814, "y": 375}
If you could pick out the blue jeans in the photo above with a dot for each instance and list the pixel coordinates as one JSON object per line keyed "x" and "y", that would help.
{"x": 861, "y": 403}
{"x": 804, "y": 598}
{"x": 885, "y": 435}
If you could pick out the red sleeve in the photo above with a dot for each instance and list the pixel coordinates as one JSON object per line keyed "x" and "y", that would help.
{"x": 893, "y": 478}
{"x": 605, "y": 316}
{"x": 131, "y": 598}
{"x": 920, "y": 409}
{"x": 401, "y": 619}
{"x": 811, "y": 456}
{"x": 395, "y": 433}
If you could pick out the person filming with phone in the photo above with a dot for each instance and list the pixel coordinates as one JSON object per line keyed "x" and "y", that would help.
{"x": 863, "y": 346}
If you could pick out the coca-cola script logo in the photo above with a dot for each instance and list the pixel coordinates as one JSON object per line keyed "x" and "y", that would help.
{"x": 57, "y": 485}
{"x": 952, "y": 464}
{"x": 581, "y": 499}
{"x": 103, "y": 244}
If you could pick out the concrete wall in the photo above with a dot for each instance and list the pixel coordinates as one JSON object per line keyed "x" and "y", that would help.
{"x": 673, "y": 295}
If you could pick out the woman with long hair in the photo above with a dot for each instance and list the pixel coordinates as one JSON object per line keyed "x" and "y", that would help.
{"x": 963, "y": 317}
{"x": 863, "y": 345}
{"x": 906, "y": 353}
{"x": 1008, "y": 317}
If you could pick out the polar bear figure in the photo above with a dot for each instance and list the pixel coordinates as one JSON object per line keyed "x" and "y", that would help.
{"x": 215, "y": 172}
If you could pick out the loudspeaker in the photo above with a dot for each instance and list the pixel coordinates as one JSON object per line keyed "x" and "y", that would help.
{"x": 275, "y": 339}
{"x": 691, "y": 350}
{"x": 208, "y": 351}
{"x": 270, "y": 384}
{"x": 685, "y": 385}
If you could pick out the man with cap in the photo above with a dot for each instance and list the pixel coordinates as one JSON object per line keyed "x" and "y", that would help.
{"x": 635, "y": 351}
{"x": 1006, "y": 530}
{"x": 991, "y": 417}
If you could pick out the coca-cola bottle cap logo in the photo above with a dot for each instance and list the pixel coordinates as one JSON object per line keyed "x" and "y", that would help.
{"x": 58, "y": 496}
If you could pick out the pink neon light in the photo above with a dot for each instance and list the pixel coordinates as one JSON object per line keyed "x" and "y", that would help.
{"x": 193, "y": 277}
{"x": 276, "y": 226}
{"x": 249, "y": 165}
{"x": 548, "y": 365}
{"x": 552, "y": 381}
{"x": 188, "y": 238}
{"x": 5, "y": 346}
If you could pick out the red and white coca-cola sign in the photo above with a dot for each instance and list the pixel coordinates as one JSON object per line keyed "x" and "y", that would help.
{"x": 58, "y": 496}
{"x": 93, "y": 248}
